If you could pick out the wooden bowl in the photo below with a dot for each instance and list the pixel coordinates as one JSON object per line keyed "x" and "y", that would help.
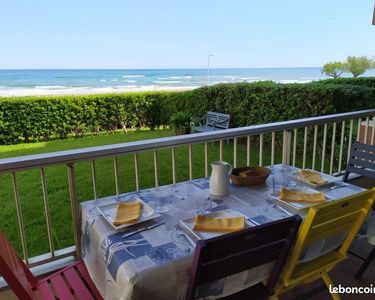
{"x": 250, "y": 175}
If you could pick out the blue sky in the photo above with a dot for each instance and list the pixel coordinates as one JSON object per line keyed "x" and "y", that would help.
{"x": 179, "y": 34}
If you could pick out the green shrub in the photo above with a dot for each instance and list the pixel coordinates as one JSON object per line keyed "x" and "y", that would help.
{"x": 180, "y": 120}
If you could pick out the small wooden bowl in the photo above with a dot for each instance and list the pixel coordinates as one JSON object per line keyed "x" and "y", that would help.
{"x": 250, "y": 175}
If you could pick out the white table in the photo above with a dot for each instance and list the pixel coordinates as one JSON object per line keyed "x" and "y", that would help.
{"x": 155, "y": 264}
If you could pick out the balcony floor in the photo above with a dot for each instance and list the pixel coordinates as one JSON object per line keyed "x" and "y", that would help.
{"x": 343, "y": 274}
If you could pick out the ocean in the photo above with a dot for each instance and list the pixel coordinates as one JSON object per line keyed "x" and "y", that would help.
{"x": 75, "y": 81}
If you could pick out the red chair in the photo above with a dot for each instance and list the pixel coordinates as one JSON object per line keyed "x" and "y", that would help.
{"x": 72, "y": 282}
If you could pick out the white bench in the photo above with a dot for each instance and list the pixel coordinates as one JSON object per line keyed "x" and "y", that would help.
{"x": 212, "y": 121}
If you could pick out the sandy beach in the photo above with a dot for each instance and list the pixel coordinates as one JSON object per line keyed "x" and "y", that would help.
{"x": 86, "y": 91}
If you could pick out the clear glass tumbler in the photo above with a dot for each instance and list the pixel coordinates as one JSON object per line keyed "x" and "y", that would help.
{"x": 162, "y": 197}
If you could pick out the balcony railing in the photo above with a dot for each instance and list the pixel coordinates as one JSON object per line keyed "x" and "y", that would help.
{"x": 320, "y": 143}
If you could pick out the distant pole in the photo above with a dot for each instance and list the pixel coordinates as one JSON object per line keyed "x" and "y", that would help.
{"x": 208, "y": 67}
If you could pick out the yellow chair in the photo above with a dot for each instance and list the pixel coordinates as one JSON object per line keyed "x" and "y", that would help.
{"x": 322, "y": 222}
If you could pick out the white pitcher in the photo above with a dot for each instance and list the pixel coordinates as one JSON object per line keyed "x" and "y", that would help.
{"x": 219, "y": 181}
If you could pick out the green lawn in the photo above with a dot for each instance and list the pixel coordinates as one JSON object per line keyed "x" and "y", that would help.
{"x": 57, "y": 185}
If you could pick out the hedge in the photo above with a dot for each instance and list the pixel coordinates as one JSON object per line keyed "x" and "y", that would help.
{"x": 24, "y": 119}
{"x": 259, "y": 103}
{"x": 359, "y": 81}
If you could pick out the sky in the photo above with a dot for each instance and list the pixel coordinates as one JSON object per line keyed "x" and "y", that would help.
{"x": 180, "y": 34}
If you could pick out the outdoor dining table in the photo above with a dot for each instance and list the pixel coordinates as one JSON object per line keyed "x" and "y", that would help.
{"x": 155, "y": 263}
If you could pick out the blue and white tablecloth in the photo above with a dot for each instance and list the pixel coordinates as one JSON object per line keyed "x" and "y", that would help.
{"x": 155, "y": 264}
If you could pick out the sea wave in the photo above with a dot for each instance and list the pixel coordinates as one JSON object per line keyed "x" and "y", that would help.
{"x": 51, "y": 87}
{"x": 130, "y": 81}
{"x": 167, "y": 81}
{"x": 133, "y": 76}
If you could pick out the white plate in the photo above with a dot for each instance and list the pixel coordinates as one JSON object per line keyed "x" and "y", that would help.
{"x": 109, "y": 213}
{"x": 330, "y": 179}
{"x": 300, "y": 205}
{"x": 188, "y": 224}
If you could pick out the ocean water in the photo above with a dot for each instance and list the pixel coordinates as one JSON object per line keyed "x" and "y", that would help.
{"x": 42, "y": 82}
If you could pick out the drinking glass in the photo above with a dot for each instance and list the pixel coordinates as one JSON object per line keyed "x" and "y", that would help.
{"x": 162, "y": 198}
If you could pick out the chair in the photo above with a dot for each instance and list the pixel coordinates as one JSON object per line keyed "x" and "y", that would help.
{"x": 212, "y": 121}
{"x": 232, "y": 253}
{"x": 362, "y": 162}
{"x": 72, "y": 282}
{"x": 323, "y": 223}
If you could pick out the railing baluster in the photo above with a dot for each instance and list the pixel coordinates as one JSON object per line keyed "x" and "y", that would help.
{"x": 174, "y": 165}
{"x": 115, "y": 167}
{"x": 272, "y": 148}
{"x": 19, "y": 216}
{"x": 93, "y": 176}
{"x": 366, "y": 130}
{"x": 295, "y": 146}
{"x": 341, "y": 145}
{"x": 324, "y": 147}
{"x": 47, "y": 212}
{"x": 248, "y": 145}
{"x": 359, "y": 128}
{"x": 314, "y": 146}
{"x": 156, "y": 171}
{"x": 136, "y": 170}
{"x": 261, "y": 149}
{"x": 286, "y": 147}
{"x": 373, "y": 131}
{"x": 350, "y": 139}
{"x": 206, "y": 159}
{"x": 235, "y": 152}
{"x": 190, "y": 163}
{"x": 74, "y": 208}
{"x": 221, "y": 150}
{"x": 332, "y": 148}
{"x": 304, "y": 149}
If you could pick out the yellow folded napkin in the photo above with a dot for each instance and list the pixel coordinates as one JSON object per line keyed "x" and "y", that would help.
{"x": 312, "y": 176}
{"x": 207, "y": 223}
{"x": 128, "y": 212}
{"x": 293, "y": 196}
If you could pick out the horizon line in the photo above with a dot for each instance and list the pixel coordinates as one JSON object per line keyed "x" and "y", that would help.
{"x": 224, "y": 68}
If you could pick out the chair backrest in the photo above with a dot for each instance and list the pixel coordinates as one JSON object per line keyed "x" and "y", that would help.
{"x": 361, "y": 161}
{"x": 218, "y": 120}
{"x": 14, "y": 271}
{"x": 233, "y": 253}
{"x": 325, "y": 221}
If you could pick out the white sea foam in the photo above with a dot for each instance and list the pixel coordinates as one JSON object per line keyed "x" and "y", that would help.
{"x": 293, "y": 81}
{"x": 133, "y": 76}
{"x": 130, "y": 81}
{"x": 89, "y": 90}
{"x": 179, "y": 77}
{"x": 249, "y": 78}
{"x": 114, "y": 80}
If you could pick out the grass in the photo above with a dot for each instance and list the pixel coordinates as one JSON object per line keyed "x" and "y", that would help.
{"x": 30, "y": 188}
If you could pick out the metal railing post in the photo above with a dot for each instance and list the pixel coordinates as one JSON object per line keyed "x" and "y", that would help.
{"x": 74, "y": 208}
{"x": 287, "y": 146}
